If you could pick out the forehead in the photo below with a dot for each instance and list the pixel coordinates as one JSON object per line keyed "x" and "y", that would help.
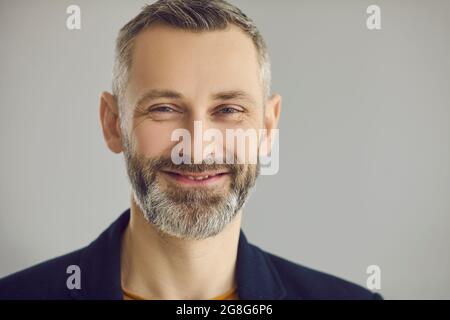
{"x": 194, "y": 63}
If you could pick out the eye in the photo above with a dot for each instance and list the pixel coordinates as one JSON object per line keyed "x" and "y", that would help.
{"x": 227, "y": 110}
{"x": 163, "y": 109}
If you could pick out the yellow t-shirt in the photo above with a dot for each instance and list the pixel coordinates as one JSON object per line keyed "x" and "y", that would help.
{"x": 229, "y": 295}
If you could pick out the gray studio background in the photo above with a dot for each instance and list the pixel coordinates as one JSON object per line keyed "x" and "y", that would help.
{"x": 364, "y": 137}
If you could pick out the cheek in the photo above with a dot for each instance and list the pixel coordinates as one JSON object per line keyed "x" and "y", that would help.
{"x": 242, "y": 140}
{"x": 153, "y": 139}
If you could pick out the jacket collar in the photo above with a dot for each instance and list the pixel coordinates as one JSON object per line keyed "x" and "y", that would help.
{"x": 100, "y": 268}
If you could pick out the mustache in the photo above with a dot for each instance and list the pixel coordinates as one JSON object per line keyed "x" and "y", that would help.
{"x": 167, "y": 164}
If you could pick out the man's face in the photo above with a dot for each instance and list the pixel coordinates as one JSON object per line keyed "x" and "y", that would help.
{"x": 178, "y": 77}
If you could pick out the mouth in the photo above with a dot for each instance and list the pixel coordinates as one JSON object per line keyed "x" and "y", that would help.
{"x": 196, "y": 178}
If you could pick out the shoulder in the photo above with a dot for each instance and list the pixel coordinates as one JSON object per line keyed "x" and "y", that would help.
{"x": 53, "y": 279}
{"x": 306, "y": 283}
{"x": 46, "y": 280}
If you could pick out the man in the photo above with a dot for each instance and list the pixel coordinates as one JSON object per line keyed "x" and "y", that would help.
{"x": 179, "y": 64}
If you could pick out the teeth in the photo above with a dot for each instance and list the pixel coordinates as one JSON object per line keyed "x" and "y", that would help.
{"x": 197, "y": 178}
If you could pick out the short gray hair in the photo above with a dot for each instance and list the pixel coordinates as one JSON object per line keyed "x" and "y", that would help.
{"x": 193, "y": 15}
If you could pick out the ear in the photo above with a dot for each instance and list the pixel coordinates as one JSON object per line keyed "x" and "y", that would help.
{"x": 271, "y": 118}
{"x": 110, "y": 121}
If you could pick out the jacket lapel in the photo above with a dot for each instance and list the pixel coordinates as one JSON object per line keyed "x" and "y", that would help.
{"x": 256, "y": 277}
{"x": 100, "y": 264}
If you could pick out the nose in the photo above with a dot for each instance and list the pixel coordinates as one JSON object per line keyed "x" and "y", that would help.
{"x": 203, "y": 139}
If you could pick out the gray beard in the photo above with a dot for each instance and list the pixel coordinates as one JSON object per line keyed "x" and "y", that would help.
{"x": 187, "y": 214}
{"x": 193, "y": 219}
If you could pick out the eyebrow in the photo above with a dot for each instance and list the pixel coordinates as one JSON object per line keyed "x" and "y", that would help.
{"x": 219, "y": 96}
{"x": 233, "y": 94}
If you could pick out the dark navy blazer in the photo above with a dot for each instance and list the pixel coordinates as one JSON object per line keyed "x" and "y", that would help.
{"x": 260, "y": 275}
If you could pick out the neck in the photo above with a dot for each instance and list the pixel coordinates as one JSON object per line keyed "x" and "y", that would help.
{"x": 160, "y": 266}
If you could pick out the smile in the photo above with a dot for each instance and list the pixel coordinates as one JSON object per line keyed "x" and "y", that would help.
{"x": 196, "y": 178}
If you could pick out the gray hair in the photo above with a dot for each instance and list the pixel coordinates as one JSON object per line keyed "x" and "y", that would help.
{"x": 193, "y": 15}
